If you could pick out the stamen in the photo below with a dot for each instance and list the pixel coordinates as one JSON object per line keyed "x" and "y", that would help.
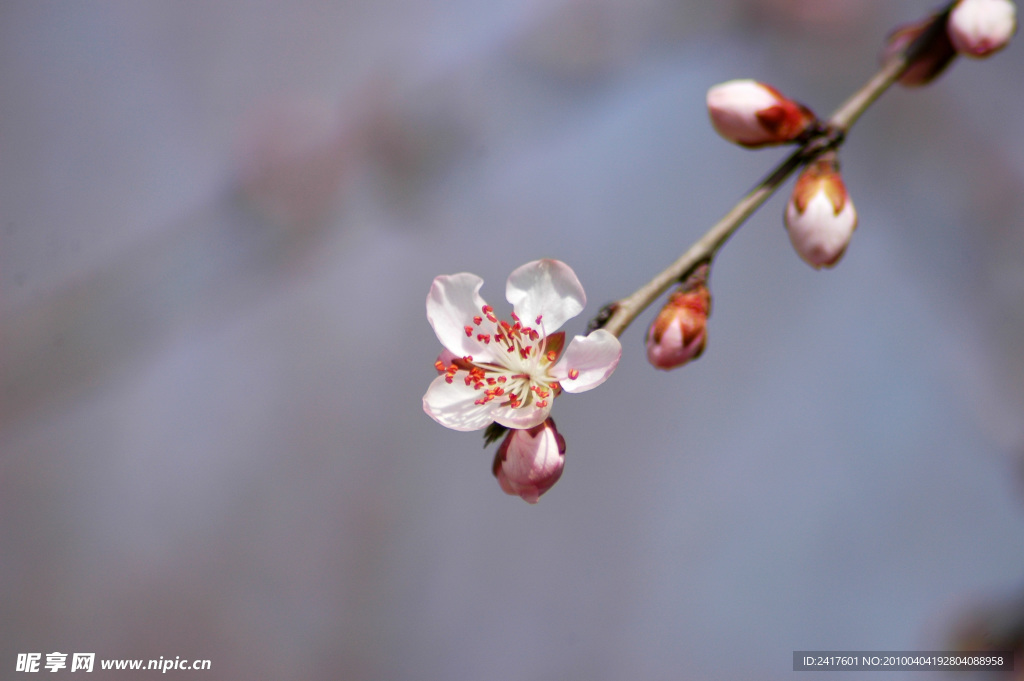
{"x": 537, "y": 321}
{"x": 477, "y": 320}
{"x": 574, "y": 374}
{"x": 552, "y": 355}
{"x": 469, "y": 331}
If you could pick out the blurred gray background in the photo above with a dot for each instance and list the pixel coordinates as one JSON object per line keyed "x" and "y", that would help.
{"x": 218, "y": 225}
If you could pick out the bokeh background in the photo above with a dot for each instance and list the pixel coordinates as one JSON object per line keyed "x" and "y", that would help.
{"x": 218, "y": 224}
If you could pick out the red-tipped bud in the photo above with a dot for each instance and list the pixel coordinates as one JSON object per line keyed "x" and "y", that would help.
{"x": 679, "y": 332}
{"x": 929, "y": 62}
{"x": 529, "y": 462}
{"x": 820, "y": 217}
{"x": 755, "y": 115}
{"x": 978, "y": 28}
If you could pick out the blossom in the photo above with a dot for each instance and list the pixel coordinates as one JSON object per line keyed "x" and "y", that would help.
{"x": 820, "y": 217}
{"x": 679, "y": 332}
{"x": 754, "y": 114}
{"x": 931, "y": 61}
{"x": 511, "y": 371}
{"x": 529, "y": 462}
{"x": 978, "y": 28}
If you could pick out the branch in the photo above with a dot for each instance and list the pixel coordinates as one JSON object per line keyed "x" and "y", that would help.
{"x": 617, "y": 316}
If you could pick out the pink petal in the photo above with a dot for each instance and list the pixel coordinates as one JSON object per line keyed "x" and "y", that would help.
{"x": 454, "y": 300}
{"x": 530, "y": 461}
{"x": 452, "y": 404}
{"x": 588, "y": 361}
{"x": 526, "y": 416}
{"x": 547, "y": 289}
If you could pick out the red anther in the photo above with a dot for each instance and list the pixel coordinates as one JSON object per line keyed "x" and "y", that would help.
{"x": 492, "y": 319}
{"x": 469, "y": 331}
{"x": 485, "y": 337}
{"x": 487, "y": 309}
{"x": 515, "y": 317}
{"x": 449, "y": 379}
{"x": 477, "y": 320}
{"x": 542, "y": 403}
{"x": 499, "y": 391}
{"x": 468, "y": 380}
{"x": 491, "y": 381}
{"x": 510, "y": 348}
{"x": 574, "y": 374}
{"x": 439, "y": 365}
{"x": 468, "y": 359}
{"x": 505, "y": 325}
{"x": 537, "y": 320}
{"x": 501, "y": 379}
{"x": 534, "y": 336}
{"x": 552, "y": 355}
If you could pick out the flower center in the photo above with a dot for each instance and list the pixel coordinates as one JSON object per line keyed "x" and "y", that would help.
{"x": 518, "y": 374}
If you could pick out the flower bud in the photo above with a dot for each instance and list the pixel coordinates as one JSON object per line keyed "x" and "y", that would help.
{"x": 755, "y": 115}
{"x": 929, "y": 62}
{"x": 679, "y": 332}
{"x": 978, "y": 28}
{"x": 529, "y": 462}
{"x": 820, "y": 217}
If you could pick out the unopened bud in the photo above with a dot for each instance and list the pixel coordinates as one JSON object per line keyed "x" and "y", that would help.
{"x": 978, "y": 28}
{"x": 929, "y": 62}
{"x": 755, "y": 115}
{"x": 529, "y": 462}
{"x": 820, "y": 217}
{"x": 679, "y": 332}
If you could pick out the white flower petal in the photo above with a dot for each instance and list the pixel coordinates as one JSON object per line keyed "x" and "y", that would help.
{"x": 819, "y": 234}
{"x": 591, "y": 359}
{"x": 978, "y": 28}
{"x": 452, "y": 404}
{"x": 452, "y": 303}
{"x": 733, "y": 108}
{"x": 547, "y": 289}
{"x": 526, "y": 416}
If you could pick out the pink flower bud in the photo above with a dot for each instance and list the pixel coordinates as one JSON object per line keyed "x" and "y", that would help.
{"x": 755, "y": 115}
{"x": 529, "y": 462}
{"x": 979, "y": 28}
{"x": 679, "y": 332}
{"x": 820, "y": 216}
{"x": 930, "y": 62}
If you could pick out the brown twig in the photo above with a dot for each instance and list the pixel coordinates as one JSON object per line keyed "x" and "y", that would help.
{"x": 617, "y": 316}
